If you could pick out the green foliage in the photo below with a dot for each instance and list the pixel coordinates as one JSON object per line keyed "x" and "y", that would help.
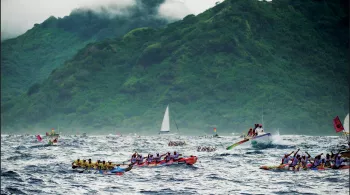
{"x": 31, "y": 57}
{"x": 33, "y": 89}
{"x": 220, "y": 68}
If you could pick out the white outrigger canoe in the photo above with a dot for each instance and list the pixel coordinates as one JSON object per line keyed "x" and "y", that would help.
{"x": 262, "y": 136}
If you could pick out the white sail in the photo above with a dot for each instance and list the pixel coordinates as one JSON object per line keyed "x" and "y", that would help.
{"x": 166, "y": 121}
{"x": 346, "y": 123}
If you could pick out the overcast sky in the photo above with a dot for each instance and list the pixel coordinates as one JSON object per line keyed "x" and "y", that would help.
{"x": 18, "y": 16}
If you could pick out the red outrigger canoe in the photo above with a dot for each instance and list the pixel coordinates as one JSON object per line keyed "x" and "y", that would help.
{"x": 185, "y": 160}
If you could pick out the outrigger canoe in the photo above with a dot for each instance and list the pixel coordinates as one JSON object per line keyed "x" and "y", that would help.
{"x": 247, "y": 139}
{"x": 185, "y": 160}
{"x": 286, "y": 167}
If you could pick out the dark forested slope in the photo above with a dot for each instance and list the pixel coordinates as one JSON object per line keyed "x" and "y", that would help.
{"x": 31, "y": 57}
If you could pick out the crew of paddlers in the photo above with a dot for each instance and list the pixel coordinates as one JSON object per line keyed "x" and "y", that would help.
{"x": 206, "y": 149}
{"x": 176, "y": 143}
{"x": 301, "y": 161}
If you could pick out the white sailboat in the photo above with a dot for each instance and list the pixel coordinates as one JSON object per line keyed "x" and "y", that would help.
{"x": 346, "y": 124}
{"x": 346, "y": 133}
{"x": 165, "y": 128}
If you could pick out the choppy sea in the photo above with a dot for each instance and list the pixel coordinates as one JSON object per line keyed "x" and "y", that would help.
{"x": 32, "y": 167}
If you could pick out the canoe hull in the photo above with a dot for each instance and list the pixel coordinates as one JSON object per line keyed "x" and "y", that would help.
{"x": 186, "y": 160}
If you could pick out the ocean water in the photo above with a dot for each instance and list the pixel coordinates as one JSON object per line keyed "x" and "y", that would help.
{"x": 32, "y": 167}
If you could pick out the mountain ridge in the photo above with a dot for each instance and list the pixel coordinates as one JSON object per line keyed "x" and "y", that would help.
{"x": 30, "y": 57}
{"x": 219, "y": 68}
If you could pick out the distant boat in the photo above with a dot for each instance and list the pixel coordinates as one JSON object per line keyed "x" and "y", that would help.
{"x": 165, "y": 128}
{"x": 338, "y": 126}
{"x": 346, "y": 133}
{"x": 346, "y": 124}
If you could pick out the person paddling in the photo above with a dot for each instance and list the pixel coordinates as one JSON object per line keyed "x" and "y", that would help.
{"x": 317, "y": 161}
{"x": 90, "y": 164}
{"x": 167, "y": 158}
{"x": 295, "y": 160}
{"x": 110, "y": 165}
{"x": 338, "y": 162}
{"x": 175, "y": 157}
{"x": 328, "y": 161}
{"x": 157, "y": 158}
{"x": 304, "y": 160}
{"x": 149, "y": 158}
{"x": 286, "y": 158}
{"x": 76, "y": 163}
{"x": 97, "y": 164}
{"x": 133, "y": 159}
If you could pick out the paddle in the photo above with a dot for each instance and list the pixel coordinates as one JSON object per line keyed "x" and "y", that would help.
{"x": 236, "y": 144}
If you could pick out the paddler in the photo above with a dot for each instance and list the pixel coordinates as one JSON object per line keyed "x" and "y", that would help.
{"x": 139, "y": 159}
{"x": 110, "y": 165}
{"x": 157, "y": 158}
{"x": 167, "y": 158}
{"x": 317, "y": 161}
{"x": 286, "y": 158}
{"x": 97, "y": 164}
{"x": 295, "y": 160}
{"x": 90, "y": 164}
{"x": 83, "y": 163}
{"x": 338, "y": 161}
{"x": 149, "y": 158}
{"x": 328, "y": 161}
{"x": 304, "y": 160}
{"x": 176, "y": 155}
{"x": 76, "y": 163}
{"x": 133, "y": 159}
{"x": 103, "y": 166}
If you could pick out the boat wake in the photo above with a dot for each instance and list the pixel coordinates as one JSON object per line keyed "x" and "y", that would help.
{"x": 275, "y": 141}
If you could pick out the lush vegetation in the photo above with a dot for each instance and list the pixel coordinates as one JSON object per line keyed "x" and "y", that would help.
{"x": 223, "y": 68}
{"x": 30, "y": 58}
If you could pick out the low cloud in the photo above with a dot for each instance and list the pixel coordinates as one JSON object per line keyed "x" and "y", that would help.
{"x": 178, "y": 9}
{"x": 18, "y": 16}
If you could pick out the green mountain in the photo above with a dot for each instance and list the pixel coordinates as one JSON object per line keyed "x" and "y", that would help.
{"x": 30, "y": 58}
{"x": 225, "y": 67}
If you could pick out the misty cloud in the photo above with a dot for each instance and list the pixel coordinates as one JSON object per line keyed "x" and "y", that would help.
{"x": 178, "y": 9}
{"x": 18, "y": 16}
